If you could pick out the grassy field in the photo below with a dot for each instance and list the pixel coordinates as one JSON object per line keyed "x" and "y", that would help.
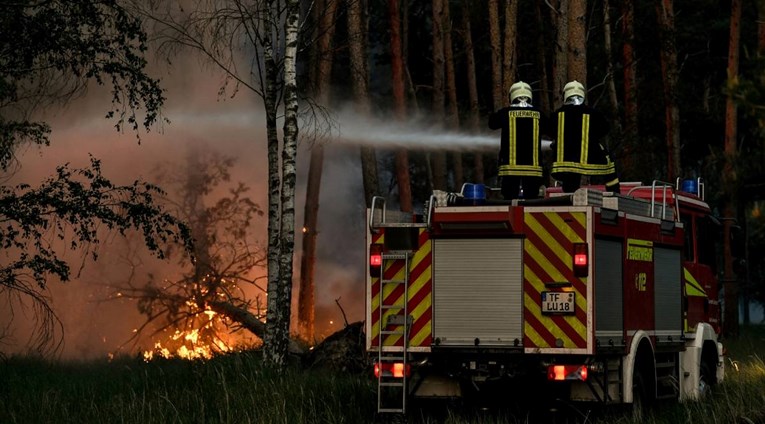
{"x": 237, "y": 389}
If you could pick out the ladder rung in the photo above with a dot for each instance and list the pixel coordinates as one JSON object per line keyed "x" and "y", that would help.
{"x": 394, "y": 256}
{"x": 389, "y": 410}
{"x": 391, "y": 306}
{"x": 390, "y": 358}
{"x": 399, "y": 319}
{"x": 392, "y": 384}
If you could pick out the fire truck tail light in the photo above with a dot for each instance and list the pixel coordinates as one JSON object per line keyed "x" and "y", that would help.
{"x": 581, "y": 260}
{"x": 567, "y": 372}
{"x": 375, "y": 259}
{"x": 394, "y": 369}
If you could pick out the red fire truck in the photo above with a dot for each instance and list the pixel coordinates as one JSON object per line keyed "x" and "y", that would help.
{"x": 603, "y": 297}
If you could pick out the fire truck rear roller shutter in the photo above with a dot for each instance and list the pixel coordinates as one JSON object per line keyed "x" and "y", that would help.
{"x": 609, "y": 321}
{"x": 477, "y": 291}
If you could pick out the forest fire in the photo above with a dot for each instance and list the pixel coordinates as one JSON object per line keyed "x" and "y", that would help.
{"x": 201, "y": 341}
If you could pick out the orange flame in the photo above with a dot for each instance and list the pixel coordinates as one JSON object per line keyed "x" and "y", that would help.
{"x": 189, "y": 344}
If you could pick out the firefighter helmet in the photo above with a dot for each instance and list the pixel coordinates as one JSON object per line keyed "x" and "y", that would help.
{"x": 518, "y": 90}
{"x": 572, "y": 89}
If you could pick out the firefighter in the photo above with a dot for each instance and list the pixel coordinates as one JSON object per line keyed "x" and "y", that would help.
{"x": 578, "y": 146}
{"x": 519, "y": 152}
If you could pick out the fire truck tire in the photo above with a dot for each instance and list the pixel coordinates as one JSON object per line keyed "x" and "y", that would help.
{"x": 707, "y": 376}
{"x": 639, "y": 396}
{"x": 706, "y": 379}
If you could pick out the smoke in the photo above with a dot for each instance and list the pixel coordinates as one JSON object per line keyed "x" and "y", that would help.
{"x": 415, "y": 133}
{"x": 233, "y": 127}
{"x": 94, "y": 327}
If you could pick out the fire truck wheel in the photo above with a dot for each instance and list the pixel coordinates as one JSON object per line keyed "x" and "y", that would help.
{"x": 707, "y": 368}
{"x": 639, "y": 397}
{"x": 706, "y": 380}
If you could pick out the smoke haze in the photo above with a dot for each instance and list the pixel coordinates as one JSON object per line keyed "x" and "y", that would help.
{"x": 233, "y": 127}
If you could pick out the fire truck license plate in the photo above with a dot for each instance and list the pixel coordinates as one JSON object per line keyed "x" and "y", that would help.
{"x": 558, "y": 302}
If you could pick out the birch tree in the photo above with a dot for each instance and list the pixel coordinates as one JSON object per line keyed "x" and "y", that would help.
{"x": 255, "y": 44}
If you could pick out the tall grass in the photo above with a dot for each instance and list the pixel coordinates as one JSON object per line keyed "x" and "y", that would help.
{"x": 239, "y": 389}
{"x": 231, "y": 389}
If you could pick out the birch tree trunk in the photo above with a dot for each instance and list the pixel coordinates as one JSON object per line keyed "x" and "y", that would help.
{"x": 269, "y": 30}
{"x": 399, "y": 104}
{"x": 473, "y": 114}
{"x": 280, "y": 294}
{"x": 359, "y": 80}
{"x": 730, "y": 179}
{"x": 273, "y": 352}
{"x": 668, "y": 51}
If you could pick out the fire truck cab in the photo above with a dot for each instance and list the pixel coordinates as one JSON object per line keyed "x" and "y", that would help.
{"x": 601, "y": 297}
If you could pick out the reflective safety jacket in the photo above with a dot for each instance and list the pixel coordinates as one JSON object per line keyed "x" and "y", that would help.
{"x": 520, "y": 146}
{"x": 578, "y": 149}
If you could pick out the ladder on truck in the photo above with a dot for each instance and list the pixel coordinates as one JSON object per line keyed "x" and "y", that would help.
{"x": 392, "y": 386}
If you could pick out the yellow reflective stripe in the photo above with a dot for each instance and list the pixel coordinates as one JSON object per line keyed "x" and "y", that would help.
{"x": 639, "y": 242}
{"x": 375, "y": 304}
{"x": 556, "y": 331}
{"x": 585, "y": 138}
{"x": 566, "y": 229}
{"x": 532, "y": 334}
{"x": 586, "y": 169}
{"x": 535, "y": 158}
{"x": 417, "y": 339}
{"x": 561, "y": 122}
{"x": 539, "y": 287}
{"x": 513, "y": 138}
{"x": 422, "y": 254}
{"x": 564, "y": 256}
{"x": 692, "y": 287}
{"x": 529, "y": 170}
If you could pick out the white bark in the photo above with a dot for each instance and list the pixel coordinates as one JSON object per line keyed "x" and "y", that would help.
{"x": 289, "y": 172}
